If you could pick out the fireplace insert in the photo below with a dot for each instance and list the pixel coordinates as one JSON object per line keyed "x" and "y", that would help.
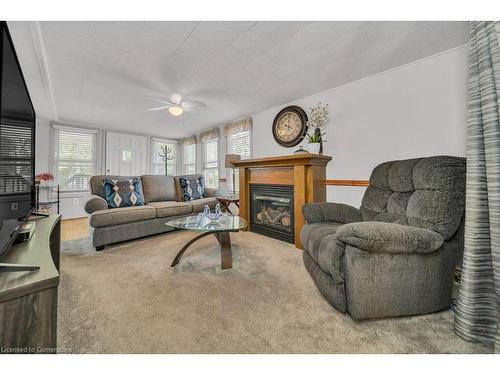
{"x": 271, "y": 211}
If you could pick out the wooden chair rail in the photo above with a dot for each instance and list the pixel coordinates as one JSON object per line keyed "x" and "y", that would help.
{"x": 346, "y": 182}
{"x": 333, "y": 182}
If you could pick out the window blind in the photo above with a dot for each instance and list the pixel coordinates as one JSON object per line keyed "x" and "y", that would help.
{"x": 240, "y": 144}
{"x": 16, "y": 165}
{"x": 189, "y": 157}
{"x": 211, "y": 163}
{"x": 75, "y": 158}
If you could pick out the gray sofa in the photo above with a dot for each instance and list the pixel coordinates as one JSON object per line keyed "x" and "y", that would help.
{"x": 396, "y": 254}
{"x": 163, "y": 202}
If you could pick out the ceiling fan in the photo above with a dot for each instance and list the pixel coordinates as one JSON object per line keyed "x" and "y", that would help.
{"x": 176, "y": 106}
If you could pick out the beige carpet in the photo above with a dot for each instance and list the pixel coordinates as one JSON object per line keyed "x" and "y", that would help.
{"x": 127, "y": 299}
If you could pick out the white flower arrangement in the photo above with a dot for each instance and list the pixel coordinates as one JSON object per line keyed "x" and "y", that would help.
{"x": 317, "y": 123}
{"x": 319, "y": 116}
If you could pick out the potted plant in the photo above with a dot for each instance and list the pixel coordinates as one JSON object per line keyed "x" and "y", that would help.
{"x": 45, "y": 179}
{"x": 315, "y": 140}
{"x": 317, "y": 124}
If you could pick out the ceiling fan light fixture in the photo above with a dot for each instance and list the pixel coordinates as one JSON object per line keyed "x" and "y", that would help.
{"x": 175, "y": 110}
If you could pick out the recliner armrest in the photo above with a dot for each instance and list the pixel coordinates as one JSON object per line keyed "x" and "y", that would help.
{"x": 327, "y": 211}
{"x": 95, "y": 203}
{"x": 389, "y": 237}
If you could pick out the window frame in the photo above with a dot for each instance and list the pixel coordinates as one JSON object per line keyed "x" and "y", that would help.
{"x": 54, "y": 160}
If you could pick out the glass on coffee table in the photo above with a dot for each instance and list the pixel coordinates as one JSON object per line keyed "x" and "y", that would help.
{"x": 220, "y": 228}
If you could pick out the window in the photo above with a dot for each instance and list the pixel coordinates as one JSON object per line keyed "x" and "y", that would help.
{"x": 164, "y": 154}
{"x": 16, "y": 162}
{"x": 126, "y": 155}
{"x": 75, "y": 157}
{"x": 240, "y": 144}
{"x": 211, "y": 163}
{"x": 190, "y": 158}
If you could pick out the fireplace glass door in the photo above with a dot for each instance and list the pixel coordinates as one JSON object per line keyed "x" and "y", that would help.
{"x": 272, "y": 211}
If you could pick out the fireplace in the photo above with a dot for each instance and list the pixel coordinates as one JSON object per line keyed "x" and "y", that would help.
{"x": 301, "y": 177}
{"x": 272, "y": 211}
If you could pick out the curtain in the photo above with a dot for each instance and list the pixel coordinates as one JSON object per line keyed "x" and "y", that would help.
{"x": 242, "y": 125}
{"x": 209, "y": 135}
{"x": 188, "y": 141}
{"x": 478, "y": 308}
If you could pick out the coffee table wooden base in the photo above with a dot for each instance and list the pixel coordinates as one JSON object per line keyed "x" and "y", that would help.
{"x": 225, "y": 248}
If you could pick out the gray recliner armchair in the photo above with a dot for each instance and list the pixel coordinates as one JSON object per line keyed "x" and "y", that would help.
{"x": 396, "y": 254}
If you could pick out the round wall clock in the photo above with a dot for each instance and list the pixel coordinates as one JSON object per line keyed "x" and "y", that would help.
{"x": 290, "y": 126}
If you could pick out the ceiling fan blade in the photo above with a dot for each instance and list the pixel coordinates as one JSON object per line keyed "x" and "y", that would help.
{"x": 192, "y": 105}
{"x": 158, "y": 108}
{"x": 162, "y": 101}
{"x": 176, "y": 98}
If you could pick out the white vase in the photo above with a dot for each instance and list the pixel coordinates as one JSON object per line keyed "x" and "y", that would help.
{"x": 314, "y": 148}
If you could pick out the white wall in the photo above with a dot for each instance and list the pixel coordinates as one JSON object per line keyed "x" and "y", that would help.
{"x": 414, "y": 110}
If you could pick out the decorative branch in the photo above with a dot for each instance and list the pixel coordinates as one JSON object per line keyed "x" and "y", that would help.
{"x": 166, "y": 154}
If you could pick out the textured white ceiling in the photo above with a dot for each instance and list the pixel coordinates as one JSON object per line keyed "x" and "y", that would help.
{"x": 104, "y": 73}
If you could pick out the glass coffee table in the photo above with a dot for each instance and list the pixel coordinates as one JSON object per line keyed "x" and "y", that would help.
{"x": 220, "y": 228}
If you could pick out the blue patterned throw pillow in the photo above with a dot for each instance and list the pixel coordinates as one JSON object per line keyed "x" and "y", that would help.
{"x": 192, "y": 188}
{"x": 123, "y": 192}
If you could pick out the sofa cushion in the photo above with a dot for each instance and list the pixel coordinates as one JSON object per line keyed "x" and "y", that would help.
{"x": 427, "y": 193}
{"x": 437, "y": 210}
{"x": 401, "y": 175}
{"x": 374, "y": 202}
{"x": 200, "y": 203}
{"x": 380, "y": 176}
{"x": 171, "y": 208}
{"x": 440, "y": 173}
{"x": 312, "y": 234}
{"x": 123, "y": 192}
{"x": 158, "y": 188}
{"x": 398, "y": 202}
{"x": 190, "y": 187}
{"x": 121, "y": 216}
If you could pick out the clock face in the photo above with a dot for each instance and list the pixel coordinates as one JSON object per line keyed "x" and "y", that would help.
{"x": 289, "y": 127}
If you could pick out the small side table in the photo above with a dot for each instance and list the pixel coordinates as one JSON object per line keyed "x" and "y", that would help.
{"x": 226, "y": 201}
{"x": 49, "y": 202}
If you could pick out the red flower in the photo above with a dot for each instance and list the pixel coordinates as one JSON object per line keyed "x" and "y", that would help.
{"x": 46, "y": 176}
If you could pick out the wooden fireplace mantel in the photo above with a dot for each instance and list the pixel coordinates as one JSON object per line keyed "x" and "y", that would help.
{"x": 305, "y": 172}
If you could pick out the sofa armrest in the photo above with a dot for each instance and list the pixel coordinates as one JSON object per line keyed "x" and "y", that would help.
{"x": 326, "y": 211}
{"x": 211, "y": 192}
{"x": 389, "y": 237}
{"x": 95, "y": 203}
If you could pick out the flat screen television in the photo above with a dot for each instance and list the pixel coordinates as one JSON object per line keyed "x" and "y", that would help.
{"x": 17, "y": 140}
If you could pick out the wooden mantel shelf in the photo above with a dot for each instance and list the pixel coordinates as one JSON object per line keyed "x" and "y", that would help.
{"x": 305, "y": 172}
{"x": 288, "y": 160}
